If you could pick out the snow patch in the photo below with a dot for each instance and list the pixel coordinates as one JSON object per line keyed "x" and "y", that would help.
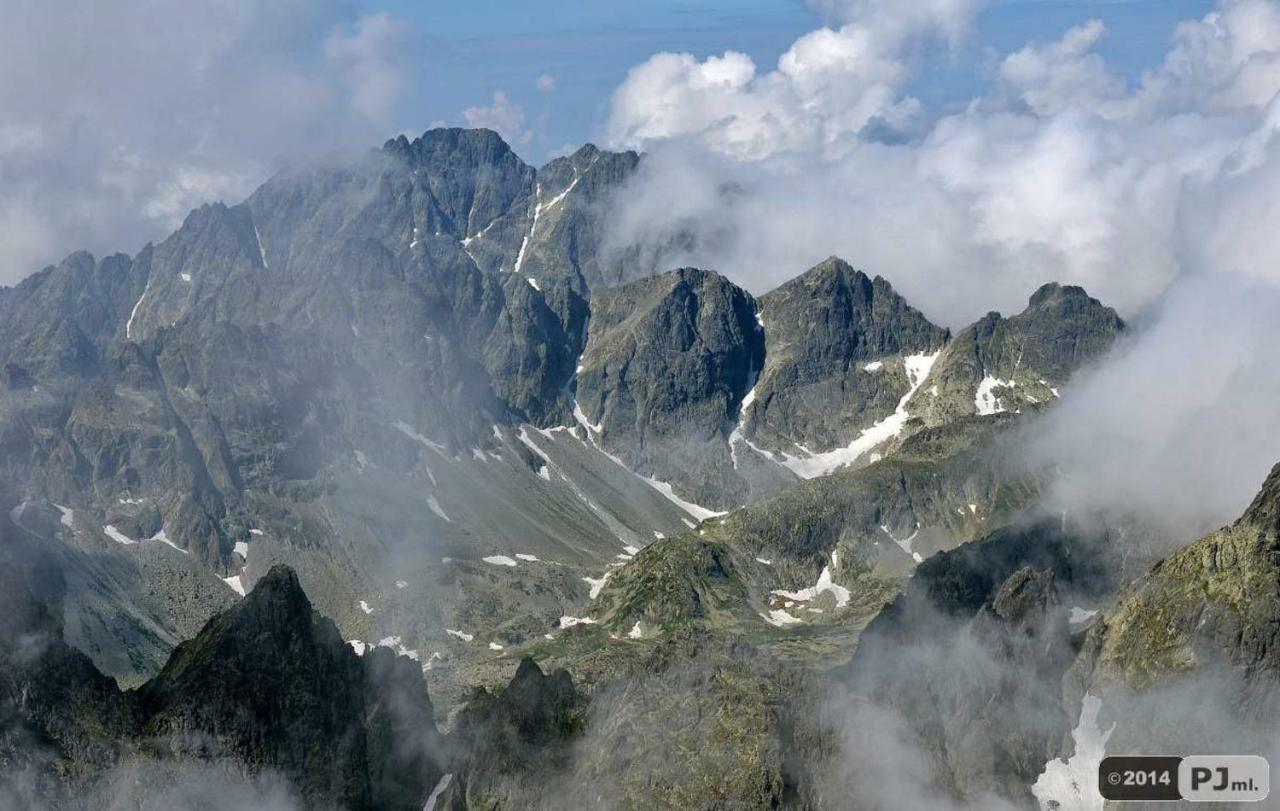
{"x": 1073, "y": 783}
{"x": 406, "y": 429}
{"x": 635, "y": 632}
{"x": 824, "y": 584}
{"x": 465, "y": 637}
{"x": 394, "y": 643}
{"x": 529, "y": 558}
{"x": 357, "y": 646}
{"x": 255, "y": 532}
{"x": 873, "y": 366}
{"x": 737, "y": 435}
{"x": 568, "y": 622}
{"x": 765, "y": 561}
{"x": 495, "y": 646}
{"x": 597, "y": 583}
{"x": 813, "y": 465}
{"x": 365, "y": 607}
{"x": 235, "y": 584}
{"x": 436, "y": 508}
{"x": 262, "y": 254}
{"x": 242, "y": 549}
{"x": 163, "y": 537}
{"x": 401, "y": 584}
{"x": 985, "y": 401}
{"x": 68, "y": 518}
{"x": 436, "y": 792}
{"x": 905, "y": 543}
{"x": 500, "y": 560}
{"x": 780, "y": 618}
{"x": 117, "y": 536}
{"x": 1079, "y": 616}
{"x": 128, "y": 327}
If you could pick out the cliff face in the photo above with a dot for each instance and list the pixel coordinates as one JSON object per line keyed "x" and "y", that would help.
{"x": 268, "y": 687}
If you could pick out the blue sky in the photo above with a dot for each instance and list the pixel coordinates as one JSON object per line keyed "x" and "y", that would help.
{"x": 469, "y": 50}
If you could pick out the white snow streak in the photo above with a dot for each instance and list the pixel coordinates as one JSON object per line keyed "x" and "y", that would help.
{"x": 404, "y": 428}
{"x": 235, "y": 584}
{"x": 780, "y": 618}
{"x": 436, "y": 792}
{"x": 262, "y": 254}
{"x": 824, "y": 584}
{"x": 68, "y": 518}
{"x": 597, "y": 583}
{"x": 436, "y": 508}
{"x": 1079, "y": 615}
{"x": 820, "y": 464}
{"x": 1073, "y": 783}
{"x": 163, "y": 537}
{"x": 117, "y": 536}
{"x": 128, "y": 327}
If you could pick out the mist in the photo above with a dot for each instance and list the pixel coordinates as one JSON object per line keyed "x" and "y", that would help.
{"x": 1157, "y": 196}
{"x": 1059, "y": 172}
{"x": 120, "y": 118}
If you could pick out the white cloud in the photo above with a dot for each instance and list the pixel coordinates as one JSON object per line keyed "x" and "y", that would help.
{"x": 1159, "y": 197}
{"x": 503, "y": 117}
{"x": 897, "y": 21}
{"x": 369, "y": 54}
{"x": 827, "y": 88}
{"x": 116, "y": 125}
{"x": 546, "y": 83}
{"x": 1060, "y": 172}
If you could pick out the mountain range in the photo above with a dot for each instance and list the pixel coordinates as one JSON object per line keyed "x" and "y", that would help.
{"x": 403, "y": 484}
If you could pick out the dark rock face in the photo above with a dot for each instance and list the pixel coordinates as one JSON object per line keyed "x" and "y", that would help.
{"x": 511, "y": 745}
{"x": 824, "y": 329}
{"x": 567, "y": 245}
{"x": 268, "y": 685}
{"x": 667, "y": 363}
{"x": 58, "y": 714}
{"x": 1010, "y": 364}
{"x": 261, "y": 341}
{"x": 59, "y": 321}
{"x": 271, "y": 683}
{"x": 1214, "y": 604}
{"x": 1188, "y": 656}
{"x": 969, "y": 634}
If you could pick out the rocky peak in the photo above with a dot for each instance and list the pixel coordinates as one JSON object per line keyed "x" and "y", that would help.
{"x": 270, "y": 682}
{"x": 1019, "y": 363}
{"x": 837, "y": 342}
{"x": 1026, "y": 593}
{"x": 667, "y": 364}
{"x": 1264, "y": 511}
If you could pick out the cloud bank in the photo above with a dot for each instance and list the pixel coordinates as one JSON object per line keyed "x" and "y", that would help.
{"x": 119, "y": 117}
{"x": 1158, "y": 195}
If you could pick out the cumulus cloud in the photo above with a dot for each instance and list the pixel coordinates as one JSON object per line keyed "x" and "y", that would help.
{"x": 369, "y": 54}
{"x": 117, "y": 120}
{"x": 503, "y": 116}
{"x": 1059, "y": 171}
{"x": 546, "y": 83}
